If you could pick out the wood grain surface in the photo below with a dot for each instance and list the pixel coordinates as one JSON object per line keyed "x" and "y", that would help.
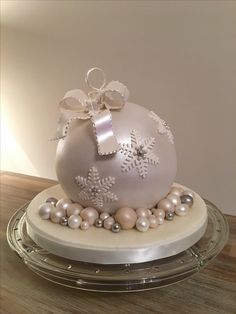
{"x": 213, "y": 290}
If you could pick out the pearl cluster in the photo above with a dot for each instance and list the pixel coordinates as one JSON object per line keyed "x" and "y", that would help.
{"x": 73, "y": 215}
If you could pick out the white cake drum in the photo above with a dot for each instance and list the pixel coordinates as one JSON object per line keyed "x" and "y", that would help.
{"x": 98, "y": 245}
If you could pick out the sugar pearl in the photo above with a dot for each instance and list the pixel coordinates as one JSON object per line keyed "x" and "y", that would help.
{"x": 159, "y": 213}
{"x": 178, "y": 191}
{"x": 175, "y": 200}
{"x": 142, "y": 224}
{"x": 160, "y": 220}
{"x": 170, "y": 216}
{"x": 116, "y": 227}
{"x": 73, "y": 209}
{"x": 187, "y": 199}
{"x": 104, "y": 215}
{"x": 45, "y": 210}
{"x": 166, "y": 205}
{"x": 190, "y": 193}
{"x": 52, "y": 200}
{"x": 98, "y": 223}
{"x": 126, "y": 217}
{"x": 182, "y": 209}
{"x": 108, "y": 223}
{"x": 90, "y": 214}
{"x": 57, "y": 214}
{"x": 84, "y": 225}
{"x": 74, "y": 221}
{"x": 142, "y": 212}
{"x": 64, "y": 221}
{"x": 153, "y": 221}
{"x": 63, "y": 204}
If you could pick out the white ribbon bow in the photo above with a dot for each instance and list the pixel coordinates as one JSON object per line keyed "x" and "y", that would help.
{"x": 96, "y": 106}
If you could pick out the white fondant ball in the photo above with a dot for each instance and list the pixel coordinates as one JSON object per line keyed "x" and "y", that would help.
{"x": 77, "y": 153}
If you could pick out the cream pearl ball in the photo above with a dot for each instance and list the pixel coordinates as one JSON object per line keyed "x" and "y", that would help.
{"x": 182, "y": 209}
{"x": 142, "y": 224}
{"x": 178, "y": 191}
{"x": 126, "y": 217}
{"x": 73, "y": 209}
{"x": 63, "y": 203}
{"x": 45, "y": 210}
{"x": 89, "y": 214}
{"x": 57, "y": 214}
{"x": 175, "y": 200}
{"x": 74, "y": 221}
{"x": 153, "y": 221}
{"x": 84, "y": 225}
{"x": 166, "y": 205}
{"x": 108, "y": 223}
{"x": 159, "y": 213}
{"x": 160, "y": 220}
{"x": 142, "y": 212}
{"x": 104, "y": 216}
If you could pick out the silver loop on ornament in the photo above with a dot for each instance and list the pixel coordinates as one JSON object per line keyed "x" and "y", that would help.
{"x": 88, "y": 82}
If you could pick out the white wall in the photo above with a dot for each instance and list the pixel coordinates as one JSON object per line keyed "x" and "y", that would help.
{"x": 177, "y": 58}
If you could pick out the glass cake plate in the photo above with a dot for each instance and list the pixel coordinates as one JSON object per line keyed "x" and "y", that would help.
{"x": 122, "y": 277}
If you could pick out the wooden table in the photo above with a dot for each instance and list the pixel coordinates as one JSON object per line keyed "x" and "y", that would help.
{"x": 213, "y": 290}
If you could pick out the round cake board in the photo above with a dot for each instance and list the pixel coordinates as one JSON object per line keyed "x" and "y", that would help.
{"x": 101, "y": 246}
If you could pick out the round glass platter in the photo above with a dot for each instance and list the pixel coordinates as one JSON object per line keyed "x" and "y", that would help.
{"x": 122, "y": 277}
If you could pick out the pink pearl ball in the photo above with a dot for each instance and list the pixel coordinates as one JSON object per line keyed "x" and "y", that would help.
{"x": 57, "y": 214}
{"x": 126, "y": 217}
{"x": 178, "y": 191}
{"x": 63, "y": 204}
{"x": 159, "y": 213}
{"x": 90, "y": 214}
{"x": 175, "y": 200}
{"x": 84, "y": 225}
{"x": 73, "y": 209}
{"x": 108, "y": 222}
{"x": 153, "y": 221}
{"x": 142, "y": 212}
{"x": 166, "y": 205}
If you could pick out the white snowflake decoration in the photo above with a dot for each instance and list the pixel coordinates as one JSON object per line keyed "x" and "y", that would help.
{"x": 138, "y": 154}
{"x": 96, "y": 190}
{"x": 162, "y": 126}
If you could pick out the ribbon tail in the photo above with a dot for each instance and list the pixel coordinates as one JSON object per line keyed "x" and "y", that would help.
{"x": 106, "y": 140}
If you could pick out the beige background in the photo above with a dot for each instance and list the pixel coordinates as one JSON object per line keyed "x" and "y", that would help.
{"x": 177, "y": 58}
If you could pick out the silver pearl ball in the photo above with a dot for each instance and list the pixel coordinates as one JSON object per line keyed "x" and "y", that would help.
{"x": 104, "y": 215}
{"x": 45, "y": 210}
{"x": 56, "y": 215}
{"x": 142, "y": 224}
{"x": 190, "y": 193}
{"x": 98, "y": 223}
{"x": 115, "y": 227}
{"x": 175, "y": 200}
{"x": 169, "y": 216}
{"x": 187, "y": 199}
{"x": 52, "y": 200}
{"x": 64, "y": 221}
{"x": 74, "y": 221}
{"x": 182, "y": 209}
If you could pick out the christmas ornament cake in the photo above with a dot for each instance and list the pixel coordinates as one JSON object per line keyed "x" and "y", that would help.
{"x": 116, "y": 201}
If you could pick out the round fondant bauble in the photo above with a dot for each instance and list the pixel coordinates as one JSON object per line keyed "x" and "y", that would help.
{"x": 138, "y": 175}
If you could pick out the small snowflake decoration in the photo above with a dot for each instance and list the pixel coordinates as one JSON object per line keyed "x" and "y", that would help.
{"x": 138, "y": 154}
{"x": 96, "y": 190}
{"x": 162, "y": 126}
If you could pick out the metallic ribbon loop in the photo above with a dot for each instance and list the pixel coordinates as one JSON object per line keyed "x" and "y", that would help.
{"x": 96, "y": 106}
